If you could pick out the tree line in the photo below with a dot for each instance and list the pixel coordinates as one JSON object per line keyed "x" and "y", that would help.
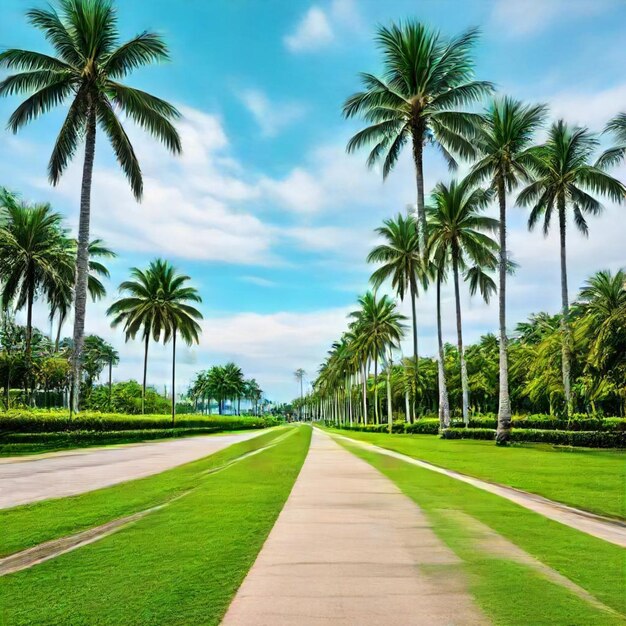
{"x": 417, "y": 100}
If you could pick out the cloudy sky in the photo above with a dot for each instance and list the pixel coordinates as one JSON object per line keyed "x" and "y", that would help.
{"x": 264, "y": 210}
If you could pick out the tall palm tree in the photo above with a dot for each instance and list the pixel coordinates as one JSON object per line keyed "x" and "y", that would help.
{"x": 503, "y": 139}
{"x": 425, "y": 77}
{"x": 158, "y": 305}
{"x": 234, "y": 382}
{"x": 401, "y": 263}
{"x": 61, "y": 299}
{"x": 112, "y": 358}
{"x": 378, "y": 325}
{"x": 565, "y": 178}
{"x": 299, "y": 375}
{"x": 88, "y": 64}
{"x": 33, "y": 258}
{"x": 458, "y": 231}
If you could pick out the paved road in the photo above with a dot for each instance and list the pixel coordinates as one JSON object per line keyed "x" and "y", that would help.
{"x": 610, "y": 530}
{"x": 69, "y": 473}
{"x": 350, "y": 549}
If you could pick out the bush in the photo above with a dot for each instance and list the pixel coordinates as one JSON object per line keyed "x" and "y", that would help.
{"x": 58, "y": 421}
{"x": 547, "y": 422}
{"x": 590, "y": 439}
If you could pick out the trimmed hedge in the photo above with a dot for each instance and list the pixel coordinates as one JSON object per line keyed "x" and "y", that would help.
{"x": 49, "y": 422}
{"x": 577, "y": 438}
{"x": 545, "y": 422}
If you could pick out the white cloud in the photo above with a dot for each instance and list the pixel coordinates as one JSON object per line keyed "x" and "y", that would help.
{"x": 312, "y": 32}
{"x": 522, "y": 18}
{"x": 258, "y": 281}
{"x": 589, "y": 108}
{"x": 271, "y": 117}
{"x": 318, "y": 27}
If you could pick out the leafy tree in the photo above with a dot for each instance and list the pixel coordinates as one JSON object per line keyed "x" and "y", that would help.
{"x": 458, "y": 231}
{"x": 425, "y": 77}
{"x": 88, "y": 65}
{"x": 566, "y": 179}
{"x": 503, "y": 140}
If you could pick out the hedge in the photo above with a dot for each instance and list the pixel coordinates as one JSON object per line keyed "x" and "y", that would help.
{"x": 577, "y": 438}
{"x": 48, "y": 422}
{"x": 546, "y": 422}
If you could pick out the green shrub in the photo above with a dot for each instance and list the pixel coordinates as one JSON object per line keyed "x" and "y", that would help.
{"x": 590, "y": 439}
{"x": 25, "y": 421}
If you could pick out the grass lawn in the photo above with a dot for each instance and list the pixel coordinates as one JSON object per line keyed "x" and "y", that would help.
{"x": 179, "y": 565}
{"x": 510, "y": 592}
{"x": 28, "y": 525}
{"x": 590, "y": 479}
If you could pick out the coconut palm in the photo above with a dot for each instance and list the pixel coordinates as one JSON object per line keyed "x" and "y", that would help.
{"x": 565, "y": 179}
{"x": 299, "y": 375}
{"x": 377, "y": 325}
{"x": 112, "y": 358}
{"x": 425, "y": 77}
{"x": 33, "y": 258}
{"x": 61, "y": 299}
{"x": 458, "y": 231}
{"x": 503, "y": 139}
{"x": 157, "y": 305}
{"x": 400, "y": 263}
{"x": 85, "y": 72}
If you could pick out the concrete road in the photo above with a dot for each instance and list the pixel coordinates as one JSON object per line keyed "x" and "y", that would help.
{"x": 61, "y": 474}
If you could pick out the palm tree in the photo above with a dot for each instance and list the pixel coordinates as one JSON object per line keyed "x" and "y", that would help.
{"x": 457, "y": 231}
{"x": 33, "y": 257}
{"x": 566, "y": 178}
{"x": 299, "y": 375}
{"x": 88, "y": 64}
{"x": 158, "y": 305}
{"x": 401, "y": 263}
{"x": 378, "y": 325}
{"x": 425, "y": 78}
{"x": 61, "y": 299}
{"x": 234, "y": 383}
{"x": 112, "y": 358}
{"x": 503, "y": 139}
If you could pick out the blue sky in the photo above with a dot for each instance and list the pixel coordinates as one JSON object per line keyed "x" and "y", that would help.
{"x": 264, "y": 209}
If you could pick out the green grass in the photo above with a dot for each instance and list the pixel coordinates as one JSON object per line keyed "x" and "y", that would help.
{"x": 594, "y": 480}
{"x": 509, "y": 592}
{"x": 28, "y": 525}
{"x": 179, "y": 565}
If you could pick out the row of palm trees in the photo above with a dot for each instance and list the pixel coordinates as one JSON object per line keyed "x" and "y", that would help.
{"x": 426, "y": 78}
{"x": 345, "y": 390}
{"x": 222, "y": 383}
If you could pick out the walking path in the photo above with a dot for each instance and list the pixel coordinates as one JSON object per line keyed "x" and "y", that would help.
{"x": 73, "y": 472}
{"x": 350, "y": 549}
{"x": 610, "y": 530}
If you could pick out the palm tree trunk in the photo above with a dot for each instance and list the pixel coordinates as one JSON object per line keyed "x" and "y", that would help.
{"x": 459, "y": 332}
{"x": 376, "y": 388}
{"x": 566, "y": 344}
{"x": 58, "y": 337}
{"x": 444, "y": 406}
{"x": 504, "y": 403}
{"x": 174, "y": 377}
{"x": 82, "y": 254}
{"x": 364, "y": 394}
{"x": 145, "y": 374}
{"x": 418, "y": 147}
{"x": 350, "y": 398}
{"x": 413, "y": 288}
{"x": 110, "y": 382}
{"x": 389, "y": 401}
{"x": 29, "y": 337}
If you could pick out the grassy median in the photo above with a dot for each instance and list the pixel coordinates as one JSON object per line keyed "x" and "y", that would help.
{"x": 594, "y": 480}
{"x": 476, "y": 525}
